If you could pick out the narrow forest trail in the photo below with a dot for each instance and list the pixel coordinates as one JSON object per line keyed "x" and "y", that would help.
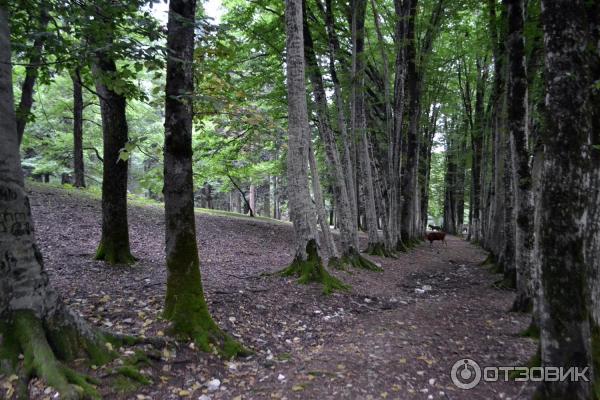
{"x": 383, "y": 339}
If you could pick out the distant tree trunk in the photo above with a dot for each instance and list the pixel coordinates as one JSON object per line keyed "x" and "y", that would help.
{"x": 35, "y": 325}
{"x": 276, "y": 211}
{"x": 78, "y": 165}
{"x": 494, "y": 236}
{"x": 517, "y": 125}
{"x": 477, "y": 135}
{"x": 31, "y": 73}
{"x": 426, "y": 165}
{"x": 507, "y": 256}
{"x": 565, "y": 198}
{"x": 320, "y": 205}
{"x": 252, "y": 199}
{"x": 307, "y": 263}
{"x": 185, "y": 306}
{"x": 114, "y": 244}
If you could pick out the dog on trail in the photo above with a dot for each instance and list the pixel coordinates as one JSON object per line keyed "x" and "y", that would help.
{"x": 433, "y": 236}
{"x": 435, "y": 228}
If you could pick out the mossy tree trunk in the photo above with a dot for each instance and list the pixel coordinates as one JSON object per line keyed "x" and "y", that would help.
{"x": 517, "y": 124}
{"x": 114, "y": 243}
{"x": 185, "y": 306}
{"x": 571, "y": 62}
{"x": 307, "y": 264}
{"x": 33, "y": 320}
{"x": 341, "y": 192}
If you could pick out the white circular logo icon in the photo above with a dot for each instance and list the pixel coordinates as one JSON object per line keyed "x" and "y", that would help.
{"x": 465, "y": 374}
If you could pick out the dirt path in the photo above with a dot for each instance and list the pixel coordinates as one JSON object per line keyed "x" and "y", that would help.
{"x": 384, "y": 339}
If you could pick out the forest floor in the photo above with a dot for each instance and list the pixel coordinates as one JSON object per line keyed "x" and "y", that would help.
{"x": 395, "y": 335}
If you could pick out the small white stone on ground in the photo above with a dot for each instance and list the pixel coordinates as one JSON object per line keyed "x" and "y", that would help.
{"x": 213, "y": 385}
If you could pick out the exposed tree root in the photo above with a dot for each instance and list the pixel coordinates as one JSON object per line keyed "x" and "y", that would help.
{"x": 401, "y": 246}
{"x": 379, "y": 249}
{"x": 44, "y": 344}
{"x": 114, "y": 254}
{"x": 312, "y": 270}
{"x": 354, "y": 259}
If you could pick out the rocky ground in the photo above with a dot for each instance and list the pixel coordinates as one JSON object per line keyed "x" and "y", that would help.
{"x": 395, "y": 335}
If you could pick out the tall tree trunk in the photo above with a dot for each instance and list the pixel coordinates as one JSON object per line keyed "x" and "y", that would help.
{"x": 185, "y": 306}
{"x": 412, "y": 143}
{"x": 114, "y": 244}
{"x": 31, "y": 73}
{"x": 341, "y": 121}
{"x": 347, "y": 222}
{"x": 517, "y": 125}
{"x": 307, "y": 263}
{"x": 359, "y": 124}
{"x": 78, "y": 165}
{"x": 565, "y": 304}
{"x": 403, "y": 14}
{"x": 593, "y": 237}
{"x": 35, "y": 325}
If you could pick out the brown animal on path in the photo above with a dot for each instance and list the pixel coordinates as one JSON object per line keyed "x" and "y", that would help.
{"x": 433, "y": 236}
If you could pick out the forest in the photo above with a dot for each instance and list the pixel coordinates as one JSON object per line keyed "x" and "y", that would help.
{"x": 300, "y": 199}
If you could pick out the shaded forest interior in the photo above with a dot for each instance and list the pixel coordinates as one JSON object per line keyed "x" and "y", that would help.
{"x": 363, "y": 132}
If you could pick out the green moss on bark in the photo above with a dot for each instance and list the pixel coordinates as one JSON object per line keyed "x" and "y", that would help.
{"x": 44, "y": 344}
{"x": 114, "y": 253}
{"x": 378, "y": 249}
{"x": 186, "y": 308}
{"x": 354, "y": 259}
{"x": 312, "y": 270}
{"x": 41, "y": 361}
{"x": 9, "y": 349}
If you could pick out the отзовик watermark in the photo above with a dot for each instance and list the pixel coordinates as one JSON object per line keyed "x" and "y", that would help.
{"x": 466, "y": 374}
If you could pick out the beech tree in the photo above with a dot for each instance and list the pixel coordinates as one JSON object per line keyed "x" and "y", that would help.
{"x": 521, "y": 170}
{"x": 307, "y": 263}
{"x": 114, "y": 243}
{"x": 569, "y": 121}
{"x": 34, "y": 321}
{"x": 185, "y": 306}
{"x": 78, "y": 165}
